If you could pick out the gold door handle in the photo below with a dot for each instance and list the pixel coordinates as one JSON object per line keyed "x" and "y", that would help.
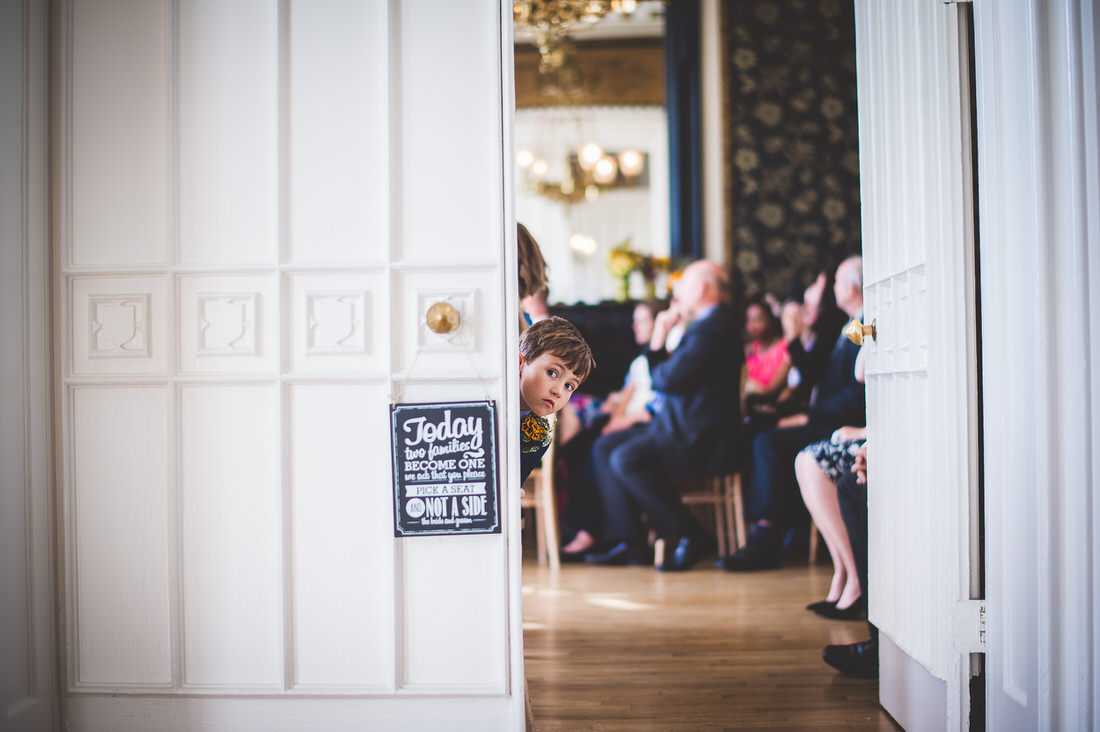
{"x": 443, "y": 317}
{"x": 857, "y": 331}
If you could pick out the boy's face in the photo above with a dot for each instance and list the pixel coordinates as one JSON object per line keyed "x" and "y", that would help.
{"x": 545, "y": 384}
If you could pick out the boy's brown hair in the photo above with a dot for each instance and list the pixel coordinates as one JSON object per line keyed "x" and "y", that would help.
{"x": 559, "y": 337}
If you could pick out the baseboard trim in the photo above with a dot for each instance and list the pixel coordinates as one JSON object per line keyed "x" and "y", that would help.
{"x": 915, "y": 698}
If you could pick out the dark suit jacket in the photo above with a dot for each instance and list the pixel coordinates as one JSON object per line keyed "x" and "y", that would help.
{"x": 700, "y": 383}
{"x": 839, "y": 399}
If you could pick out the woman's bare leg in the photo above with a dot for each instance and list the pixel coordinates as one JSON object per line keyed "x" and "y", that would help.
{"x": 819, "y": 495}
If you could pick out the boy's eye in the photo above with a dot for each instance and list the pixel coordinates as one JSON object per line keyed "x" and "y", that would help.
{"x": 570, "y": 387}
{"x": 552, "y": 373}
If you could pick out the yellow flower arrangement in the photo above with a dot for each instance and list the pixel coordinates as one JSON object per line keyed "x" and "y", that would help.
{"x": 622, "y": 261}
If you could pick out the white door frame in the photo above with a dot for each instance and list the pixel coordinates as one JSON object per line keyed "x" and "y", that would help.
{"x": 1039, "y": 173}
{"x": 28, "y": 678}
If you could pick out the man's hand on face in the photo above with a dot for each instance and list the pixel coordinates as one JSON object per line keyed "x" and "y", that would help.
{"x": 664, "y": 322}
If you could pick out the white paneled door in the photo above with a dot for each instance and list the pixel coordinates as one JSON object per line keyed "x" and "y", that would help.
{"x": 258, "y": 202}
{"x": 919, "y": 286}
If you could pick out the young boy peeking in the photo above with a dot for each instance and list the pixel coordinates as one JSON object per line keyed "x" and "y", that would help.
{"x": 554, "y": 360}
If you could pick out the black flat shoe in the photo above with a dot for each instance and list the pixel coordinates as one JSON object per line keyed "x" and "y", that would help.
{"x": 855, "y": 659}
{"x": 820, "y": 605}
{"x": 852, "y": 612}
{"x": 620, "y": 555}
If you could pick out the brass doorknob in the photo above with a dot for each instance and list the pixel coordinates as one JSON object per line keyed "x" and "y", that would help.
{"x": 857, "y": 331}
{"x": 442, "y": 317}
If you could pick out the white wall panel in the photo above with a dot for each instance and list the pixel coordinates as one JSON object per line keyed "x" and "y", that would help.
{"x": 120, "y": 524}
{"x": 119, "y": 325}
{"x": 120, "y": 130}
{"x": 339, "y": 171}
{"x": 342, "y": 540}
{"x": 454, "y": 614}
{"x": 443, "y": 128}
{"x": 340, "y": 323}
{"x": 229, "y": 324}
{"x": 231, "y": 502}
{"x": 229, "y": 121}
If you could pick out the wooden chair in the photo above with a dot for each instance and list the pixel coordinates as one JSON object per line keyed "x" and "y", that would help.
{"x": 537, "y": 494}
{"x": 723, "y": 493}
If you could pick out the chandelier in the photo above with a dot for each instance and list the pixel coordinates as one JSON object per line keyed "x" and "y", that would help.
{"x": 552, "y": 20}
{"x": 588, "y": 171}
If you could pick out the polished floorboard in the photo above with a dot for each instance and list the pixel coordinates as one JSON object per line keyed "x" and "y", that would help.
{"x": 628, "y": 648}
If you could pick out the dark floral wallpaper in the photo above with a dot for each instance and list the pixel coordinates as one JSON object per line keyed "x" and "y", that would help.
{"x": 793, "y": 152}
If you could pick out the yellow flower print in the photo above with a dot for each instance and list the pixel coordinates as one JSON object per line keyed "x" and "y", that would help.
{"x": 744, "y": 58}
{"x": 767, "y": 13}
{"x": 746, "y": 160}
{"x": 770, "y": 214}
{"x": 769, "y": 113}
{"x": 832, "y": 107}
{"x": 748, "y": 261}
{"x": 833, "y": 209}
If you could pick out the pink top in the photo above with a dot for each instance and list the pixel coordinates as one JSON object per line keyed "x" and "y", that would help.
{"x": 764, "y": 363}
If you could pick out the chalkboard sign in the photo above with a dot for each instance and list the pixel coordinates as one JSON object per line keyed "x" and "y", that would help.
{"x": 445, "y": 469}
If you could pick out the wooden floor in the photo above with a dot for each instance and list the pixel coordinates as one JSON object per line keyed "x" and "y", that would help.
{"x": 628, "y": 648}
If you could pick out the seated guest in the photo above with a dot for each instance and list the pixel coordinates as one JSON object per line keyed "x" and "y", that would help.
{"x": 818, "y": 467}
{"x": 693, "y": 433}
{"x": 818, "y": 326}
{"x": 790, "y": 316}
{"x": 581, "y": 516}
{"x": 767, "y": 362}
{"x": 856, "y": 659}
{"x": 532, "y": 271}
{"x": 838, "y": 400}
{"x": 633, "y": 403}
{"x": 535, "y": 305}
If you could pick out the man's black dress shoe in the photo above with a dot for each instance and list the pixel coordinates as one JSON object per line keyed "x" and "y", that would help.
{"x": 687, "y": 553}
{"x": 764, "y": 551}
{"x": 820, "y": 605}
{"x": 753, "y": 556}
{"x": 619, "y": 555}
{"x": 852, "y": 612}
{"x": 571, "y": 557}
{"x": 855, "y": 659}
